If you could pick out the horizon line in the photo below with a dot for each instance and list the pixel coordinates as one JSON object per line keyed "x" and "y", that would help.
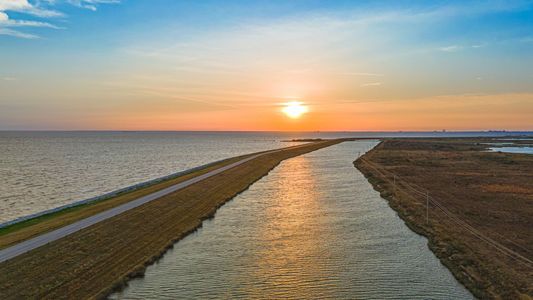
{"x": 288, "y": 131}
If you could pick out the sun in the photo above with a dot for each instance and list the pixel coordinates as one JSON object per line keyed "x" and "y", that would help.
{"x": 294, "y": 109}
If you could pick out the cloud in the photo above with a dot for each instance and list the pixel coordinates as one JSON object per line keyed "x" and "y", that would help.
{"x": 305, "y": 37}
{"x": 5, "y": 21}
{"x": 363, "y": 74}
{"x": 23, "y": 6}
{"x": 286, "y": 55}
{"x": 91, "y": 4}
{"x": 37, "y": 10}
{"x": 455, "y": 48}
{"x": 7, "y": 78}
{"x": 371, "y": 84}
{"x": 452, "y": 48}
{"x": 16, "y": 33}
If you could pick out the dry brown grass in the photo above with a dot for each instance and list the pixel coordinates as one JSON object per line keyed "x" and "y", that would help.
{"x": 493, "y": 192}
{"x": 92, "y": 262}
{"x": 505, "y": 188}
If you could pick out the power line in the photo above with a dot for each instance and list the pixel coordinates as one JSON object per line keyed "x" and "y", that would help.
{"x": 397, "y": 180}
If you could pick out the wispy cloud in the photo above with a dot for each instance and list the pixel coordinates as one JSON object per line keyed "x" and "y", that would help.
{"x": 16, "y": 33}
{"x": 6, "y": 25}
{"x": 91, "y": 4}
{"x": 295, "y": 50}
{"x": 363, "y": 74}
{"x": 5, "y": 21}
{"x": 23, "y": 6}
{"x": 452, "y": 48}
{"x": 304, "y": 34}
{"x": 40, "y": 9}
{"x": 371, "y": 84}
{"x": 455, "y": 48}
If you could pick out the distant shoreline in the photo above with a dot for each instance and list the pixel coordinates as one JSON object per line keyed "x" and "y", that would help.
{"x": 469, "y": 132}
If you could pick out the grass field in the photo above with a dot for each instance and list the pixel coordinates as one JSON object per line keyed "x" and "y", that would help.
{"x": 491, "y": 192}
{"x": 96, "y": 260}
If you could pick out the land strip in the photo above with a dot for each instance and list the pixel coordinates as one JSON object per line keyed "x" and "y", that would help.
{"x": 480, "y": 206}
{"x": 25, "y": 230}
{"x": 90, "y": 263}
{"x": 43, "y": 239}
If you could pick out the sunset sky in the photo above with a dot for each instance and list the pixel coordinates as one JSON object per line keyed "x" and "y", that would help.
{"x": 233, "y": 65}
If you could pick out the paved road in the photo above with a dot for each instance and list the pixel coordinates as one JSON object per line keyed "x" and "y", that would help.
{"x": 46, "y": 238}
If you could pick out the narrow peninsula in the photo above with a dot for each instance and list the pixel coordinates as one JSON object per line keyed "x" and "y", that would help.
{"x": 94, "y": 261}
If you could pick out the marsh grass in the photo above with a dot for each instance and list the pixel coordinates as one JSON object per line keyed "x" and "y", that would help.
{"x": 493, "y": 192}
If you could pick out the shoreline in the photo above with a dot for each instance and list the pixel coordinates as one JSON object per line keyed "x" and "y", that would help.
{"x": 469, "y": 262}
{"x": 386, "y": 194}
{"x": 108, "y": 195}
{"x": 21, "y": 229}
{"x": 172, "y": 217}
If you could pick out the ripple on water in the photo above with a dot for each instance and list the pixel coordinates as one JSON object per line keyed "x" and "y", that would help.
{"x": 57, "y": 168}
{"x": 312, "y": 228}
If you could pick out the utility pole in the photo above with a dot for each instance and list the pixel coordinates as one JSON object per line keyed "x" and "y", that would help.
{"x": 394, "y": 185}
{"x": 427, "y": 207}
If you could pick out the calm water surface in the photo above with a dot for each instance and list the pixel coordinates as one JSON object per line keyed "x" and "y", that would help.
{"x": 525, "y": 150}
{"x": 44, "y": 170}
{"x": 312, "y": 228}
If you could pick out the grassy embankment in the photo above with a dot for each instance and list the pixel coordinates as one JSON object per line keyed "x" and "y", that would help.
{"x": 490, "y": 191}
{"x": 21, "y": 231}
{"x": 92, "y": 262}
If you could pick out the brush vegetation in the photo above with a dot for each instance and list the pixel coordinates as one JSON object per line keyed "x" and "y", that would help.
{"x": 491, "y": 191}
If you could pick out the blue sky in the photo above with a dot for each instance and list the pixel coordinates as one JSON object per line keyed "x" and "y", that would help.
{"x": 104, "y": 64}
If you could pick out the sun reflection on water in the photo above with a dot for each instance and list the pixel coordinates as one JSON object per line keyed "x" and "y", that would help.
{"x": 313, "y": 228}
{"x": 294, "y": 248}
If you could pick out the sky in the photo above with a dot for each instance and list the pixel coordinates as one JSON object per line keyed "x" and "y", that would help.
{"x": 233, "y": 65}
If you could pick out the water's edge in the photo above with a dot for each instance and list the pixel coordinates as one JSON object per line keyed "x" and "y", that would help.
{"x": 385, "y": 194}
{"x": 172, "y": 276}
{"x": 111, "y": 194}
{"x": 139, "y": 272}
